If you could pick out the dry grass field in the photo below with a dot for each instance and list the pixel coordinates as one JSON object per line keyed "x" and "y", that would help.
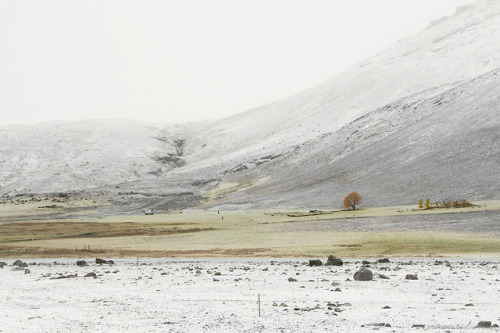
{"x": 384, "y": 231}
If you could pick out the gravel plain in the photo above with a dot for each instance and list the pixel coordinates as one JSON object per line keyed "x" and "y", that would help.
{"x": 221, "y": 295}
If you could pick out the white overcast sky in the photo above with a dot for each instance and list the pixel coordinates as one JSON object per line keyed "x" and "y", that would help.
{"x": 171, "y": 61}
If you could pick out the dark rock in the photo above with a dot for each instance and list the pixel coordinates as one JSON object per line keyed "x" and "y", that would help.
{"x": 365, "y": 262}
{"x": 418, "y": 326}
{"x": 100, "y": 261}
{"x": 386, "y": 307}
{"x": 81, "y": 263}
{"x": 91, "y": 274}
{"x": 292, "y": 279}
{"x": 69, "y": 276}
{"x": 27, "y": 271}
{"x": 315, "y": 262}
{"x": 363, "y": 274}
{"x": 334, "y": 261}
{"x": 383, "y": 261}
{"x": 2, "y": 264}
{"x": 411, "y": 277}
{"x": 484, "y": 324}
{"x": 377, "y": 325}
{"x": 20, "y": 263}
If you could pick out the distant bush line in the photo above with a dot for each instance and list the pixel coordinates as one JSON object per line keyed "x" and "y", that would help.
{"x": 444, "y": 204}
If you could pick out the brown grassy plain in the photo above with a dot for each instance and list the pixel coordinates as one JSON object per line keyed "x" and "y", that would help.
{"x": 242, "y": 233}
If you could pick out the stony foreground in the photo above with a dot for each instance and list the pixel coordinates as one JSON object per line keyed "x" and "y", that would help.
{"x": 221, "y": 295}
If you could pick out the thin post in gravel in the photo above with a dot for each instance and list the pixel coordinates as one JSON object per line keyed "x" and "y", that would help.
{"x": 258, "y": 301}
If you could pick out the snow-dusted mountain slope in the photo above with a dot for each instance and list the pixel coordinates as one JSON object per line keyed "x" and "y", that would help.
{"x": 459, "y": 48}
{"x": 419, "y": 120}
{"x": 443, "y": 147}
{"x": 63, "y": 156}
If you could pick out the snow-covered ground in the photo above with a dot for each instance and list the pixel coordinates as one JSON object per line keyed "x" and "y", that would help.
{"x": 221, "y": 295}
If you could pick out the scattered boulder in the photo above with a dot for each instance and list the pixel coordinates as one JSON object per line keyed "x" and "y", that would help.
{"x": 2, "y": 264}
{"x": 364, "y": 274}
{"x": 315, "y": 262}
{"x": 27, "y": 271}
{"x": 91, "y": 274}
{"x": 484, "y": 324}
{"x": 20, "y": 263}
{"x": 365, "y": 262}
{"x": 383, "y": 277}
{"x": 81, "y": 263}
{"x": 411, "y": 277}
{"x": 334, "y": 261}
{"x": 292, "y": 279}
{"x": 100, "y": 261}
{"x": 418, "y": 326}
{"x": 18, "y": 269}
{"x": 383, "y": 261}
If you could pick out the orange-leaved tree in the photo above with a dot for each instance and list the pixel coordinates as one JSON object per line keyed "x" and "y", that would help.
{"x": 351, "y": 200}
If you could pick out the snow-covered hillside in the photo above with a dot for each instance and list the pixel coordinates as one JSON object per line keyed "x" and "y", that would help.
{"x": 62, "y": 156}
{"x": 459, "y": 48}
{"x": 420, "y": 119}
